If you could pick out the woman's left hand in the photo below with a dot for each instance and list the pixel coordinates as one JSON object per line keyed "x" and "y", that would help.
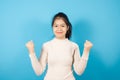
{"x": 88, "y": 45}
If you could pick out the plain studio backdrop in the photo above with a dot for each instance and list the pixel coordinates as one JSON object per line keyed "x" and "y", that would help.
{"x": 24, "y": 20}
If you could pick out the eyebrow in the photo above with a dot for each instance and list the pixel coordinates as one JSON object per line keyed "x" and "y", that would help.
{"x": 60, "y": 24}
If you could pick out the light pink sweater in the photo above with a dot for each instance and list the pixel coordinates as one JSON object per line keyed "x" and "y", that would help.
{"x": 60, "y": 55}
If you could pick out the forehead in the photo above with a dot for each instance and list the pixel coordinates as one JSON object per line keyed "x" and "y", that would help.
{"x": 59, "y": 21}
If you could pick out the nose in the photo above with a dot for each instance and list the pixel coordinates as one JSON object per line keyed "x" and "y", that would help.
{"x": 59, "y": 27}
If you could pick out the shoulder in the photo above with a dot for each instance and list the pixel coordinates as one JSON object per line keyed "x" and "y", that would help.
{"x": 74, "y": 44}
{"x": 47, "y": 43}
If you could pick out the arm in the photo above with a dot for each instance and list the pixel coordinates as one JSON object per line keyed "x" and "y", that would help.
{"x": 80, "y": 62}
{"x": 38, "y": 65}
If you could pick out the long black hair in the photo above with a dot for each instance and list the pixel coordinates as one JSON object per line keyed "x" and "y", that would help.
{"x": 64, "y": 17}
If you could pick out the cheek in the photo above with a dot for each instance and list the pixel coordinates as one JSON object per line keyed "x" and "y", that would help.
{"x": 53, "y": 28}
{"x": 65, "y": 30}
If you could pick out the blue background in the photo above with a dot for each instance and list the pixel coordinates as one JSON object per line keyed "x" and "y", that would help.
{"x": 24, "y": 20}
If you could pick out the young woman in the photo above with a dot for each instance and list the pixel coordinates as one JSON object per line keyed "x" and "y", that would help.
{"x": 60, "y": 54}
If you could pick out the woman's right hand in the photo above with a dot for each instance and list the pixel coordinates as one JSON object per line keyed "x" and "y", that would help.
{"x": 30, "y": 46}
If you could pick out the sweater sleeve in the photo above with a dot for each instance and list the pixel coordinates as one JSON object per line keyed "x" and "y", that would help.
{"x": 80, "y": 62}
{"x": 39, "y": 65}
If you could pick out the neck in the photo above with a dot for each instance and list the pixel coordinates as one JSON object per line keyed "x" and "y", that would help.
{"x": 60, "y": 38}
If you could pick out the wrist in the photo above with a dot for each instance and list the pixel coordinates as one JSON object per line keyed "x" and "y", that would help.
{"x": 86, "y": 50}
{"x": 85, "y": 54}
{"x": 31, "y": 51}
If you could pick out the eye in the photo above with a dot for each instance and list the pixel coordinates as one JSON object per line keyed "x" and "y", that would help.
{"x": 55, "y": 26}
{"x": 63, "y": 26}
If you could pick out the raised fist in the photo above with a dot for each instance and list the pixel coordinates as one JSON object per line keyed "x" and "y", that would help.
{"x": 30, "y": 46}
{"x": 88, "y": 45}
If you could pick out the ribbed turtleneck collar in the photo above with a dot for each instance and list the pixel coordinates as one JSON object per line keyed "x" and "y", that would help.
{"x": 60, "y": 40}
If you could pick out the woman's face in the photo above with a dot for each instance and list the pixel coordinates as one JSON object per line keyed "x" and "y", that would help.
{"x": 60, "y": 28}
